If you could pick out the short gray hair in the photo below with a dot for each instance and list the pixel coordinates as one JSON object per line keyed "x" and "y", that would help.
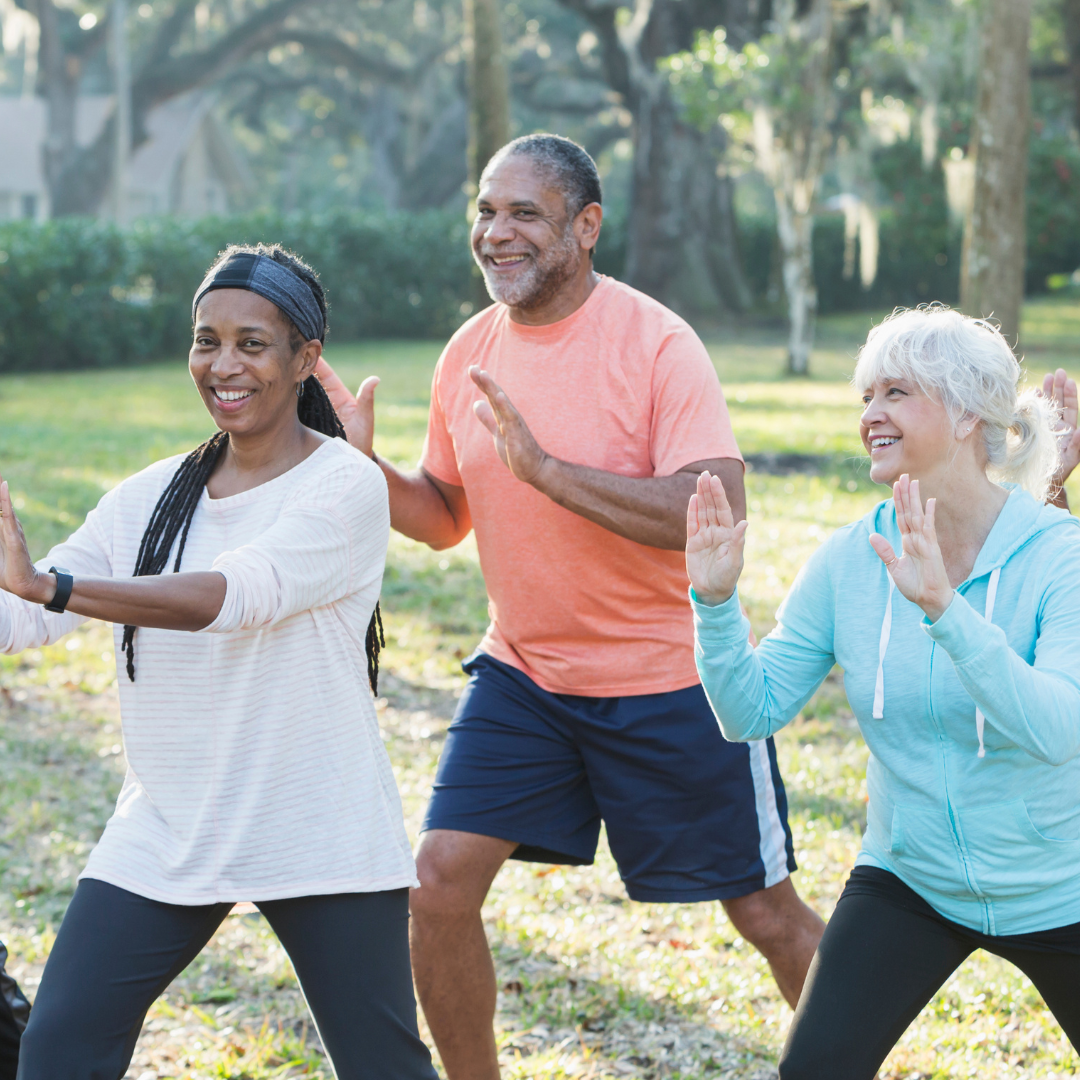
{"x": 968, "y": 366}
{"x": 569, "y": 165}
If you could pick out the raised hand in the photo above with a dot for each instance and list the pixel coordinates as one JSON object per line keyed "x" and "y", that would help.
{"x": 514, "y": 442}
{"x": 919, "y": 572}
{"x": 357, "y": 414}
{"x": 714, "y": 543}
{"x": 1060, "y": 391}
{"x": 17, "y": 572}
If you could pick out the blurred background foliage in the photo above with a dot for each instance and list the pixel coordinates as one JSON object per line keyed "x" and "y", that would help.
{"x": 352, "y": 117}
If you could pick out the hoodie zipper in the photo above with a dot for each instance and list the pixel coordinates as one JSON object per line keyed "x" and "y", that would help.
{"x": 954, "y": 826}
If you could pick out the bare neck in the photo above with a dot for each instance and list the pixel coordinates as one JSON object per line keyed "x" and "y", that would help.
{"x": 967, "y": 505}
{"x": 564, "y": 303}
{"x": 252, "y": 460}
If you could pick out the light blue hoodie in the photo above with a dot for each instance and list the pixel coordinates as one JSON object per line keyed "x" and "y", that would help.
{"x": 991, "y": 842}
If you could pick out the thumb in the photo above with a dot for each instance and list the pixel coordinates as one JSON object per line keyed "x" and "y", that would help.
{"x": 336, "y": 390}
{"x": 365, "y": 396}
{"x": 884, "y": 550}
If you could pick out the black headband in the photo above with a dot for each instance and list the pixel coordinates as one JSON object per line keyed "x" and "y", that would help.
{"x": 277, "y": 283}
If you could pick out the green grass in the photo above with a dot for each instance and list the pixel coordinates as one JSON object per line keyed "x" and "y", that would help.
{"x": 592, "y": 985}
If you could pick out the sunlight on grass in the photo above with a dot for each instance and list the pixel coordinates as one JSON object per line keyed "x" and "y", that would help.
{"x": 591, "y": 985}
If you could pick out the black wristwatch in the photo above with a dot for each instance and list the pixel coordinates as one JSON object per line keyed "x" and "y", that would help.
{"x": 64, "y": 583}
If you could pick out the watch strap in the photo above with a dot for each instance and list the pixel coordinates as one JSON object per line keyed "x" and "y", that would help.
{"x": 64, "y": 584}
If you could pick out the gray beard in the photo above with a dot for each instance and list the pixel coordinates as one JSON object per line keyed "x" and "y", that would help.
{"x": 548, "y": 272}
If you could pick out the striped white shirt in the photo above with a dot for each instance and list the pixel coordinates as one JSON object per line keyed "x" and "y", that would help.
{"x": 255, "y": 766}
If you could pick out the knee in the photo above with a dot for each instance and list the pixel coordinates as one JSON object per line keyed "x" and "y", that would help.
{"x": 773, "y": 918}
{"x": 447, "y": 892}
{"x": 759, "y": 919}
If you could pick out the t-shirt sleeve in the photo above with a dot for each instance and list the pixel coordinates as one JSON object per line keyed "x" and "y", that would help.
{"x": 313, "y": 555}
{"x": 86, "y": 553}
{"x": 438, "y": 457}
{"x": 690, "y": 420}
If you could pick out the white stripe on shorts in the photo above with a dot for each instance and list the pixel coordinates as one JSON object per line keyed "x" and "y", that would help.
{"x": 773, "y": 843}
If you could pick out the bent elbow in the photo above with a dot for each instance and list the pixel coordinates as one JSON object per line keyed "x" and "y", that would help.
{"x": 1058, "y": 755}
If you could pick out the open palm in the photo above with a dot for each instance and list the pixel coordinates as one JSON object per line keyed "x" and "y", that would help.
{"x": 919, "y": 571}
{"x": 1061, "y": 392}
{"x": 714, "y": 543}
{"x": 17, "y": 572}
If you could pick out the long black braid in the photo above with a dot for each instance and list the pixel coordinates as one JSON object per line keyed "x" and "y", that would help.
{"x": 175, "y": 509}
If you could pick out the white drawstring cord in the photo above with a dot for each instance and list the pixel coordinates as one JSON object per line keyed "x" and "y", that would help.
{"x": 883, "y": 645}
{"x": 991, "y": 595}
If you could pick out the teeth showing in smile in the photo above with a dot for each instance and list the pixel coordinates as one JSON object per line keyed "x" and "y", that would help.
{"x": 498, "y": 260}
{"x": 232, "y": 395}
{"x": 883, "y": 440}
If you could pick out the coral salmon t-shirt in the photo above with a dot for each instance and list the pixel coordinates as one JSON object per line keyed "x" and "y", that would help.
{"x": 623, "y": 384}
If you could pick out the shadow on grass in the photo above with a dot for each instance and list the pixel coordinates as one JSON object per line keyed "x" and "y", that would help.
{"x": 546, "y": 1007}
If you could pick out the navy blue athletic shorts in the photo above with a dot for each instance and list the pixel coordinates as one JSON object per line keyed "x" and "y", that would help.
{"x": 689, "y": 815}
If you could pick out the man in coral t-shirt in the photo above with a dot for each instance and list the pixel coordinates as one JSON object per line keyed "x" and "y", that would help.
{"x": 569, "y": 422}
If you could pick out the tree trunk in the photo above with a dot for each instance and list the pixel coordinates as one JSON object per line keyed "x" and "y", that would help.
{"x": 59, "y": 81}
{"x": 992, "y": 270}
{"x": 681, "y": 240}
{"x": 796, "y": 232}
{"x": 489, "y": 85}
{"x": 78, "y": 177}
{"x": 790, "y": 147}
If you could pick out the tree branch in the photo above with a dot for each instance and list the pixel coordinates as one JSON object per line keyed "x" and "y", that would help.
{"x": 175, "y": 74}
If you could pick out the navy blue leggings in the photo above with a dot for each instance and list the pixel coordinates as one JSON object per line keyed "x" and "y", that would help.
{"x": 885, "y": 953}
{"x": 116, "y": 952}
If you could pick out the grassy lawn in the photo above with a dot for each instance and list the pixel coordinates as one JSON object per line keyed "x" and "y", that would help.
{"x": 592, "y": 985}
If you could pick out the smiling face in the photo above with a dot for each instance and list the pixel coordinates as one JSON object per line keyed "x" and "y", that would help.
{"x": 905, "y": 430}
{"x": 244, "y": 364}
{"x": 523, "y": 240}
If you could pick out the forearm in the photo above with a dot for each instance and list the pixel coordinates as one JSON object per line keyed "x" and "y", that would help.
{"x": 647, "y": 510}
{"x": 419, "y": 511}
{"x": 748, "y": 698}
{"x": 189, "y": 601}
{"x": 1037, "y": 710}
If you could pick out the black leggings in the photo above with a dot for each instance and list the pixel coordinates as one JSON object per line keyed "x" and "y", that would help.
{"x": 14, "y": 1010}
{"x": 884, "y": 955}
{"x": 116, "y": 952}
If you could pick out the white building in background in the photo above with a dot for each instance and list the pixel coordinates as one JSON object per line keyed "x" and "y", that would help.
{"x": 189, "y": 166}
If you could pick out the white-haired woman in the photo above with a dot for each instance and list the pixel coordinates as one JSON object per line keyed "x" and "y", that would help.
{"x": 957, "y": 624}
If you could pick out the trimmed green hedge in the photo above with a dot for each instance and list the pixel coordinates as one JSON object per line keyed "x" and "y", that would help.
{"x": 78, "y": 293}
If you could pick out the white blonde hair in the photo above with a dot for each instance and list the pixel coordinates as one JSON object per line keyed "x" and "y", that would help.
{"x": 967, "y": 365}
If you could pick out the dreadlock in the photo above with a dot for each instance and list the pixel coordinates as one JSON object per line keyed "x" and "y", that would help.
{"x": 175, "y": 508}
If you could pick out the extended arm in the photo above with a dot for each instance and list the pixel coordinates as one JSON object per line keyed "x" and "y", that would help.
{"x": 753, "y": 692}
{"x": 172, "y": 602}
{"x": 647, "y": 510}
{"x": 1037, "y": 707}
{"x": 422, "y": 507}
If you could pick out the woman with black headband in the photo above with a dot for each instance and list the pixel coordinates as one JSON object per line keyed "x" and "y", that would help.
{"x": 243, "y": 580}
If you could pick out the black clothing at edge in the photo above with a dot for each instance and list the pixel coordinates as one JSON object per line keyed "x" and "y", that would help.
{"x": 14, "y": 1012}
{"x": 884, "y": 955}
{"x": 117, "y": 951}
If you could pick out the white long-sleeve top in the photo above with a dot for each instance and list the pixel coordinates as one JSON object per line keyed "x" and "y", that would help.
{"x": 255, "y": 766}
